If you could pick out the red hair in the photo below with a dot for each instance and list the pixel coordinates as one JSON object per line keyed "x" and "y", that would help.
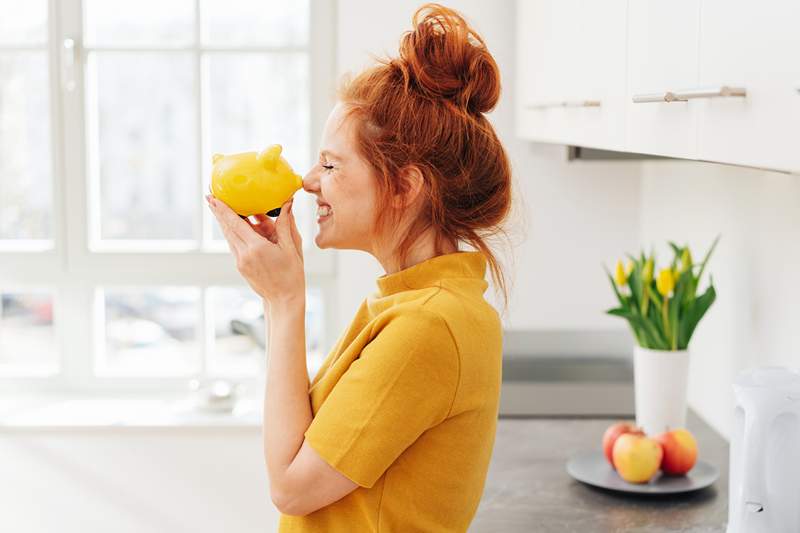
{"x": 425, "y": 110}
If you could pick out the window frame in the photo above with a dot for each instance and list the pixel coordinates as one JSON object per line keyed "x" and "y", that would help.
{"x": 74, "y": 272}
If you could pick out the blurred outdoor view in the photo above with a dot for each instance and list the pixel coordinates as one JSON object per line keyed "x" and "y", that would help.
{"x": 165, "y": 87}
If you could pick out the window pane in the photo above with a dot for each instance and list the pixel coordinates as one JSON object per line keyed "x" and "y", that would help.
{"x": 241, "y": 335}
{"x": 149, "y": 332}
{"x": 237, "y": 314}
{"x": 145, "y": 143}
{"x": 143, "y": 22}
{"x": 27, "y": 337}
{"x": 248, "y": 109}
{"x": 23, "y": 23}
{"x": 254, "y": 22}
{"x": 26, "y": 187}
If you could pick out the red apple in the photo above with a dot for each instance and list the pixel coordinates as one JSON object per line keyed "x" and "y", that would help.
{"x": 612, "y": 433}
{"x": 637, "y": 457}
{"x": 680, "y": 451}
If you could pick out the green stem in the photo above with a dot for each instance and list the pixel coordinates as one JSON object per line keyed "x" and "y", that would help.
{"x": 645, "y": 300}
{"x": 665, "y": 317}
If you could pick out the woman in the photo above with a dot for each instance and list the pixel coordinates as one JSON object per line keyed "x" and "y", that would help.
{"x": 396, "y": 430}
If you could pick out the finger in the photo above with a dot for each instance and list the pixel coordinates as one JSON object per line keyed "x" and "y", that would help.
{"x": 298, "y": 240}
{"x": 265, "y": 227}
{"x": 235, "y": 244}
{"x": 236, "y": 227}
{"x": 283, "y": 227}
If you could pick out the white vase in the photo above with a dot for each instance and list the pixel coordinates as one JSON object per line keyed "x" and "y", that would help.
{"x": 660, "y": 380}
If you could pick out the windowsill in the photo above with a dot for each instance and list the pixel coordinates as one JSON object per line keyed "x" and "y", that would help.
{"x": 71, "y": 412}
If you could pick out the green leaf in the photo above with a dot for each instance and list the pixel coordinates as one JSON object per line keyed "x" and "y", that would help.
{"x": 614, "y": 286}
{"x": 635, "y": 329}
{"x": 656, "y": 297}
{"x": 695, "y": 313}
{"x": 674, "y": 307}
{"x": 635, "y": 284}
{"x": 659, "y": 342}
{"x": 705, "y": 260}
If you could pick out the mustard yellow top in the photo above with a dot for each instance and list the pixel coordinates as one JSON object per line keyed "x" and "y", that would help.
{"x": 406, "y": 402}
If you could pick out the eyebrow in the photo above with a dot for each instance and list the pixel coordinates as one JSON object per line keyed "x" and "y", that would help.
{"x": 329, "y": 153}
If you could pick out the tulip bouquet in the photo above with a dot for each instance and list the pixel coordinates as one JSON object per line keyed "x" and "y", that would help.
{"x": 664, "y": 309}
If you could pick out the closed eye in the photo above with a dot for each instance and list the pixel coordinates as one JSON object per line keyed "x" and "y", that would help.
{"x": 327, "y": 167}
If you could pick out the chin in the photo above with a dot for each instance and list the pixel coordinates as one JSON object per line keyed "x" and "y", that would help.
{"x": 322, "y": 242}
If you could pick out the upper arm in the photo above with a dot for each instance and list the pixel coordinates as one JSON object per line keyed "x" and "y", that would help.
{"x": 310, "y": 484}
{"x": 403, "y": 382}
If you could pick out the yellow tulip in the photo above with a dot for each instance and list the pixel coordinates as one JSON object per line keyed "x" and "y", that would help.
{"x": 686, "y": 260}
{"x": 647, "y": 272}
{"x": 629, "y": 268}
{"x": 665, "y": 282}
{"x": 619, "y": 275}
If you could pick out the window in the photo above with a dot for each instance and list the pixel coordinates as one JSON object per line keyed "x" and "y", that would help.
{"x": 113, "y": 272}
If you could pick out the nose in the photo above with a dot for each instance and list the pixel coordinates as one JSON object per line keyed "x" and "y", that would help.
{"x": 310, "y": 182}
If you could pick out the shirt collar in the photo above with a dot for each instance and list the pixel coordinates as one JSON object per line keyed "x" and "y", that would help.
{"x": 428, "y": 273}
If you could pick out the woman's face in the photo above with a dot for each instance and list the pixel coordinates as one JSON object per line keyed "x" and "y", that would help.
{"x": 342, "y": 180}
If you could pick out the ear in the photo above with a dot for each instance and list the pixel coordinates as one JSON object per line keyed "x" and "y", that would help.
{"x": 412, "y": 183}
{"x": 270, "y": 155}
{"x": 216, "y": 157}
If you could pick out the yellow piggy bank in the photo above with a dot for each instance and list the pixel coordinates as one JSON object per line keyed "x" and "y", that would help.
{"x": 251, "y": 183}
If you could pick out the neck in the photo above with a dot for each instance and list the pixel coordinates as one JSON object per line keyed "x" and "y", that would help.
{"x": 424, "y": 248}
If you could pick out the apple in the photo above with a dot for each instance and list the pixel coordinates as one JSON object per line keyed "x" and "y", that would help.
{"x": 636, "y": 457}
{"x": 680, "y": 451}
{"x": 612, "y": 433}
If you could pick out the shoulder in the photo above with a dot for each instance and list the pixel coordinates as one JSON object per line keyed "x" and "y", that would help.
{"x": 459, "y": 310}
{"x": 414, "y": 321}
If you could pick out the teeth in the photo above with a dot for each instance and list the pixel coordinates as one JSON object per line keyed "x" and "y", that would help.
{"x": 324, "y": 210}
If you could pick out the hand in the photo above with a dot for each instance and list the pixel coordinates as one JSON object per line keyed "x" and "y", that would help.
{"x": 269, "y": 255}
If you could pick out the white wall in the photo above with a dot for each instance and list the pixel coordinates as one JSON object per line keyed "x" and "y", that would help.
{"x": 755, "y": 267}
{"x": 568, "y": 219}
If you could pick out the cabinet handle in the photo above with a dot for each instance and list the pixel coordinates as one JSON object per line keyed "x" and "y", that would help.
{"x": 668, "y": 96}
{"x": 710, "y": 92}
{"x": 565, "y": 103}
{"x": 687, "y": 94}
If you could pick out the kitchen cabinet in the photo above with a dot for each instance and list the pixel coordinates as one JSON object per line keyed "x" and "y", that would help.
{"x": 662, "y": 58}
{"x": 755, "y": 45}
{"x": 571, "y": 65}
{"x": 711, "y": 80}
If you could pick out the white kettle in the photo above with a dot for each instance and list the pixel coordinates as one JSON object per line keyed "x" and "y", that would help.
{"x": 764, "y": 480}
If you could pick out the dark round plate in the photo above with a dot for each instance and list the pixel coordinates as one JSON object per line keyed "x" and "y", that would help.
{"x": 592, "y": 468}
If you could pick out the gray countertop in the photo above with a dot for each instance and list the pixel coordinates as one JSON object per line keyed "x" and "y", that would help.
{"x": 528, "y": 488}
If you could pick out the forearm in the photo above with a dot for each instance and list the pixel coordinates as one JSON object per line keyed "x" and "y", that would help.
{"x": 287, "y": 406}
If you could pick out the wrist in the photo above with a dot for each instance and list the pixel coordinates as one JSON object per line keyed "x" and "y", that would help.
{"x": 286, "y": 304}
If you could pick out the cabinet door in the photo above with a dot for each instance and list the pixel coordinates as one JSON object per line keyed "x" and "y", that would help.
{"x": 662, "y": 59}
{"x": 754, "y": 45}
{"x": 571, "y": 71}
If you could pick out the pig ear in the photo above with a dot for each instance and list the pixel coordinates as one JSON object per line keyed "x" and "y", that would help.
{"x": 270, "y": 155}
{"x": 216, "y": 157}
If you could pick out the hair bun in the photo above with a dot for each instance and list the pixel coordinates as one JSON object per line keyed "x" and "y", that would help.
{"x": 443, "y": 57}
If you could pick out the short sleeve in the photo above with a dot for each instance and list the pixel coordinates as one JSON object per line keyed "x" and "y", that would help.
{"x": 403, "y": 383}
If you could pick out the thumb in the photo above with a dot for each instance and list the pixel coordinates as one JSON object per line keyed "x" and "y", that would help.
{"x": 298, "y": 240}
{"x": 282, "y": 225}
